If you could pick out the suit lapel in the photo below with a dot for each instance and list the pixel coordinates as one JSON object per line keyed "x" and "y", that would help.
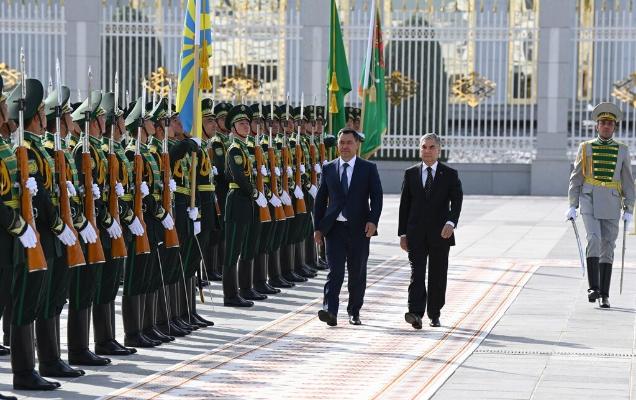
{"x": 354, "y": 173}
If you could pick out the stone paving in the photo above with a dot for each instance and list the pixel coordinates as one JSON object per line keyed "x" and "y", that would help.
{"x": 516, "y": 325}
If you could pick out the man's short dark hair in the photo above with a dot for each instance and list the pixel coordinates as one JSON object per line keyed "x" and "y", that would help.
{"x": 349, "y": 131}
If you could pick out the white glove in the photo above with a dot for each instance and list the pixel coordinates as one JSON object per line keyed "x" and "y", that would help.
{"x": 298, "y": 193}
{"x": 136, "y": 228}
{"x": 145, "y": 191}
{"x": 172, "y": 185}
{"x": 168, "y": 222}
{"x": 67, "y": 237}
{"x": 214, "y": 170}
{"x": 32, "y": 185}
{"x": 324, "y": 162}
{"x": 197, "y": 141}
{"x": 114, "y": 231}
{"x": 277, "y": 171}
{"x": 275, "y": 201}
{"x": 313, "y": 191}
{"x": 289, "y": 171}
{"x": 71, "y": 189}
{"x": 28, "y": 238}
{"x": 317, "y": 168}
{"x": 96, "y": 192}
{"x": 88, "y": 234}
{"x": 261, "y": 200}
{"x": 193, "y": 213}
{"x": 628, "y": 217}
{"x": 119, "y": 189}
{"x": 264, "y": 170}
{"x": 570, "y": 213}
{"x": 285, "y": 199}
{"x": 197, "y": 227}
{"x": 302, "y": 168}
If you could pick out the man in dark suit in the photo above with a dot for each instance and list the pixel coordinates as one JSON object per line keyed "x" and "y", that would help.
{"x": 430, "y": 205}
{"x": 346, "y": 213}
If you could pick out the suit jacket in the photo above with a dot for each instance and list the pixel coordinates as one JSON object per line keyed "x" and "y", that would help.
{"x": 363, "y": 203}
{"x": 421, "y": 219}
{"x": 602, "y": 202}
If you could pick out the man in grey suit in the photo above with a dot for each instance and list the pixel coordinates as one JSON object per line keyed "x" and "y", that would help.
{"x": 602, "y": 185}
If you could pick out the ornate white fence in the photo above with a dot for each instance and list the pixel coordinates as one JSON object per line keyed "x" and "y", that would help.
{"x": 256, "y": 46}
{"x": 464, "y": 69}
{"x": 37, "y": 26}
{"x": 604, "y": 55}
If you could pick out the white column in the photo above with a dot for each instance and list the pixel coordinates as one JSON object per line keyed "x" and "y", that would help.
{"x": 83, "y": 44}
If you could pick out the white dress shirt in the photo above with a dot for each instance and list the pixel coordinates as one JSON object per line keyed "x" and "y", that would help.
{"x": 351, "y": 163}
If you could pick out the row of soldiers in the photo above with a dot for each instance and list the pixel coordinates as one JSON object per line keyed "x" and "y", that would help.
{"x": 112, "y": 197}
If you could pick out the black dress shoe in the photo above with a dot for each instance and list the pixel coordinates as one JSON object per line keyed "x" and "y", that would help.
{"x": 201, "y": 321}
{"x": 139, "y": 341}
{"x": 185, "y": 323}
{"x": 4, "y": 351}
{"x": 251, "y": 294}
{"x": 413, "y": 319}
{"x": 113, "y": 348}
{"x": 87, "y": 357}
{"x": 31, "y": 380}
{"x": 280, "y": 282}
{"x": 435, "y": 323}
{"x": 265, "y": 288}
{"x": 304, "y": 272}
{"x": 593, "y": 295}
{"x": 171, "y": 329}
{"x": 605, "y": 302}
{"x": 156, "y": 335}
{"x": 329, "y": 318}
{"x": 355, "y": 320}
{"x": 293, "y": 277}
{"x": 3, "y": 397}
{"x": 59, "y": 369}
{"x": 237, "y": 301}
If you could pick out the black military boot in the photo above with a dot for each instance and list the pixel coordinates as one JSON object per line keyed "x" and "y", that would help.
{"x": 246, "y": 277}
{"x": 212, "y": 263}
{"x": 594, "y": 292}
{"x": 171, "y": 328}
{"x": 185, "y": 306}
{"x": 273, "y": 270}
{"x": 322, "y": 255}
{"x": 299, "y": 261}
{"x": 104, "y": 332}
{"x": 149, "y": 329}
{"x": 310, "y": 252}
{"x": 287, "y": 264}
{"x": 260, "y": 275}
{"x": 606, "y": 277}
{"x": 23, "y": 361}
{"x": 195, "y": 317}
{"x": 6, "y": 325}
{"x": 231, "y": 296}
{"x": 131, "y": 314}
{"x": 51, "y": 364}
{"x": 78, "y": 337}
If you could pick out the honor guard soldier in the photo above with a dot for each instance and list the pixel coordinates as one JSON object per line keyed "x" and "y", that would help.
{"x": 240, "y": 207}
{"x": 310, "y": 183}
{"x": 279, "y": 228}
{"x": 602, "y": 185}
{"x": 210, "y": 129}
{"x": 188, "y": 223}
{"x": 141, "y": 262}
{"x": 86, "y": 281}
{"x": 15, "y": 236}
{"x": 104, "y": 302}
{"x": 28, "y": 286}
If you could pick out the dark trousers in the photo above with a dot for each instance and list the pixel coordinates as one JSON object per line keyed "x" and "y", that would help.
{"x": 433, "y": 301}
{"x": 344, "y": 246}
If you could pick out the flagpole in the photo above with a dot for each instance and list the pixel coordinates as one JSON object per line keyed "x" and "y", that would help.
{"x": 195, "y": 100}
{"x": 368, "y": 62}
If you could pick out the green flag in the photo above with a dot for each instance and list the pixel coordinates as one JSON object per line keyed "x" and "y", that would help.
{"x": 373, "y": 93}
{"x": 338, "y": 81}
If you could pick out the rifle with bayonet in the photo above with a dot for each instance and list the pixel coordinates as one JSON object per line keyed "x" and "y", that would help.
{"x": 301, "y": 208}
{"x": 171, "y": 238}
{"x": 74, "y": 253}
{"x": 312, "y": 149}
{"x": 142, "y": 244}
{"x": 35, "y": 256}
{"x": 263, "y": 212}
{"x": 118, "y": 245}
{"x": 279, "y": 212}
{"x": 289, "y": 210}
{"x": 95, "y": 251}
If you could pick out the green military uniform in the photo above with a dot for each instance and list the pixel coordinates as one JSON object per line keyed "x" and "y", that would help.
{"x": 141, "y": 269}
{"x": 602, "y": 185}
{"x": 239, "y": 208}
{"x": 86, "y": 281}
{"x": 29, "y": 286}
